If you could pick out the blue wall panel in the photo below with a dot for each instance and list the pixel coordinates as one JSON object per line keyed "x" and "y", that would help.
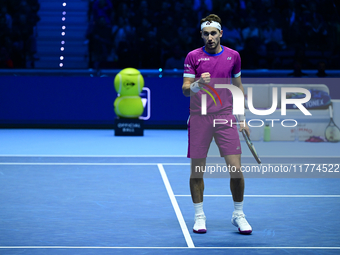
{"x": 83, "y": 101}
{"x": 55, "y": 101}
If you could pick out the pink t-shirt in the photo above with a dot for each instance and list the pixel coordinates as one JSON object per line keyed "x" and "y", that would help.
{"x": 222, "y": 67}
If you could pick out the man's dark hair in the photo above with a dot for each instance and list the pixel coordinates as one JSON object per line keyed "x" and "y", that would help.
{"x": 212, "y": 17}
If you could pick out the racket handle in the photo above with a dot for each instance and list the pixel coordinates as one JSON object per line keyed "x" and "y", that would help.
{"x": 331, "y": 111}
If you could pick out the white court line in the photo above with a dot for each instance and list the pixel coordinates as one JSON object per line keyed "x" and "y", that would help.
{"x": 90, "y": 164}
{"x": 171, "y": 248}
{"x": 178, "y": 212}
{"x": 95, "y": 156}
{"x": 156, "y": 156}
{"x": 132, "y": 164}
{"x": 264, "y": 195}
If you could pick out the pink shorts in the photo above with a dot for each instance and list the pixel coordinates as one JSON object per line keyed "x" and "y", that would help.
{"x": 201, "y": 131}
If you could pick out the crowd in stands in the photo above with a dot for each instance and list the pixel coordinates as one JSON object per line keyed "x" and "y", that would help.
{"x": 271, "y": 34}
{"x": 18, "y": 20}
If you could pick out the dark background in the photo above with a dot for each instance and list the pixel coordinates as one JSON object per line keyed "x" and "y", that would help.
{"x": 293, "y": 38}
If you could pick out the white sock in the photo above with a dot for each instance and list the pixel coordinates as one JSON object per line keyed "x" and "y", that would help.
{"x": 198, "y": 208}
{"x": 238, "y": 207}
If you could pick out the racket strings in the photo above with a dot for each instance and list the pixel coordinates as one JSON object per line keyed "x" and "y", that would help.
{"x": 333, "y": 133}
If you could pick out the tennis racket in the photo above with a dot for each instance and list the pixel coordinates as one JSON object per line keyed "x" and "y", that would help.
{"x": 332, "y": 132}
{"x": 251, "y": 146}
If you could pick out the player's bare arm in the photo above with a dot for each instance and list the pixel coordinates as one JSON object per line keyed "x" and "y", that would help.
{"x": 237, "y": 82}
{"x": 188, "y": 83}
{"x": 186, "y": 86}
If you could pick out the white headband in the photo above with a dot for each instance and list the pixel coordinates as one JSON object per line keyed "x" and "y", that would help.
{"x": 211, "y": 24}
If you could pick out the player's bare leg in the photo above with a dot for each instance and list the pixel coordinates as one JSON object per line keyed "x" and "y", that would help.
{"x": 237, "y": 189}
{"x": 197, "y": 190}
{"x": 196, "y": 180}
{"x": 236, "y": 176}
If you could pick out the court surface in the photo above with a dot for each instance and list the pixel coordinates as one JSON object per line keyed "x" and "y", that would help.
{"x": 89, "y": 192}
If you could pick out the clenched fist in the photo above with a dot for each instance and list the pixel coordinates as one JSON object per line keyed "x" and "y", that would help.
{"x": 205, "y": 79}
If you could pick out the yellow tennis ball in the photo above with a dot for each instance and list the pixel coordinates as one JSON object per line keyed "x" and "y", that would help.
{"x": 129, "y": 82}
{"x": 128, "y": 106}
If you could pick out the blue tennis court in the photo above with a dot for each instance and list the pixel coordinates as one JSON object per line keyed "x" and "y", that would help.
{"x": 89, "y": 192}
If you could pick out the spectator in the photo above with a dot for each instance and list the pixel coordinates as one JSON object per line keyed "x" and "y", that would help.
{"x": 8, "y": 17}
{"x": 293, "y": 33}
{"x": 24, "y": 33}
{"x": 100, "y": 36}
{"x": 164, "y": 12}
{"x": 230, "y": 9}
{"x": 265, "y": 9}
{"x": 185, "y": 34}
{"x": 5, "y": 28}
{"x": 243, "y": 13}
{"x": 297, "y": 71}
{"x": 251, "y": 31}
{"x": 34, "y": 6}
{"x": 125, "y": 44}
{"x": 272, "y": 36}
{"x": 5, "y": 39}
{"x": 178, "y": 8}
{"x": 113, "y": 57}
{"x": 102, "y": 9}
{"x": 321, "y": 69}
{"x": 33, "y": 19}
{"x": 166, "y": 38}
{"x": 176, "y": 60}
{"x": 124, "y": 33}
{"x": 144, "y": 13}
{"x": 316, "y": 33}
{"x": 253, "y": 46}
{"x": 142, "y": 30}
{"x": 232, "y": 36}
{"x": 202, "y": 7}
{"x": 5, "y": 59}
{"x": 125, "y": 12}
{"x": 187, "y": 12}
{"x": 150, "y": 53}
{"x": 225, "y": 6}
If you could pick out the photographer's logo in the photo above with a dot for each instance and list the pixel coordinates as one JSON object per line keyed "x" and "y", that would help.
{"x": 238, "y": 101}
{"x": 213, "y": 98}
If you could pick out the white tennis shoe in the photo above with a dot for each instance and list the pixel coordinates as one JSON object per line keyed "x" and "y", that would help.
{"x": 241, "y": 223}
{"x": 199, "y": 226}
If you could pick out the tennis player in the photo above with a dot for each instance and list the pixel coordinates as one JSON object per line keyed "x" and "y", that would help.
{"x": 202, "y": 66}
